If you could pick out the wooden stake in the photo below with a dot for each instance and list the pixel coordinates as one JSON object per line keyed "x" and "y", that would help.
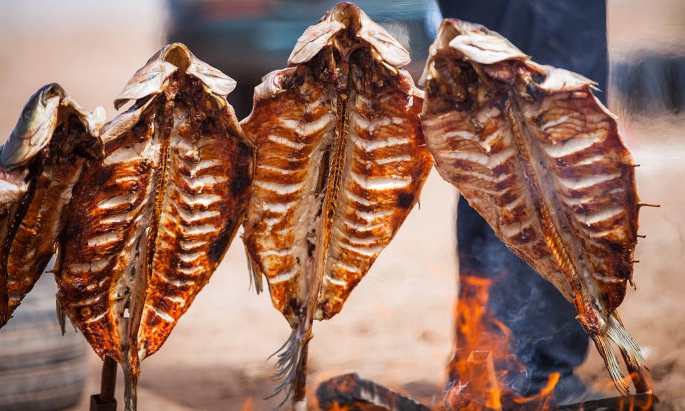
{"x": 105, "y": 401}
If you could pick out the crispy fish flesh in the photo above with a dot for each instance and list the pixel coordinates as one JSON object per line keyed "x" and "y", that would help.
{"x": 540, "y": 158}
{"x": 149, "y": 224}
{"x": 340, "y": 163}
{"x": 39, "y": 165}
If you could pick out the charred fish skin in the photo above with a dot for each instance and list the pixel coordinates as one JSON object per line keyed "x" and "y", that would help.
{"x": 51, "y": 143}
{"x": 540, "y": 158}
{"x": 340, "y": 163}
{"x": 150, "y": 223}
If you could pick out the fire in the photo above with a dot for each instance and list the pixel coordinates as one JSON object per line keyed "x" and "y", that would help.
{"x": 484, "y": 372}
{"x": 484, "y": 361}
{"x": 247, "y": 405}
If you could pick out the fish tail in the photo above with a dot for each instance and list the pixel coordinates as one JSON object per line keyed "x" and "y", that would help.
{"x": 291, "y": 367}
{"x": 632, "y": 356}
{"x": 611, "y": 361}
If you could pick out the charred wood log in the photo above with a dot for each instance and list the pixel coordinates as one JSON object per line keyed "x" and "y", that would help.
{"x": 351, "y": 392}
{"x": 639, "y": 402}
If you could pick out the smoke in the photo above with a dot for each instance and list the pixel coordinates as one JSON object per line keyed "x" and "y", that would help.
{"x": 546, "y": 337}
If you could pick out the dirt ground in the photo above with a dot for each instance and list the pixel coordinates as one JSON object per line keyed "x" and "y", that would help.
{"x": 396, "y": 326}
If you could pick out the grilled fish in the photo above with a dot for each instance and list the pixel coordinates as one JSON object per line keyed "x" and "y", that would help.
{"x": 540, "y": 158}
{"x": 149, "y": 224}
{"x": 39, "y": 165}
{"x": 340, "y": 163}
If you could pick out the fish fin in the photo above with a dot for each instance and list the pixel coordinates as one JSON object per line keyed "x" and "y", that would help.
{"x": 255, "y": 276}
{"x": 611, "y": 361}
{"x": 632, "y": 356}
{"x": 288, "y": 366}
{"x": 61, "y": 316}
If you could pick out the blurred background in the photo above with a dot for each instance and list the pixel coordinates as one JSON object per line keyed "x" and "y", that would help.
{"x": 396, "y": 327}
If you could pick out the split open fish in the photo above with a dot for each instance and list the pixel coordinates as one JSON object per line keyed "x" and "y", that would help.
{"x": 539, "y": 157}
{"x": 340, "y": 164}
{"x": 149, "y": 224}
{"x": 39, "y": 165}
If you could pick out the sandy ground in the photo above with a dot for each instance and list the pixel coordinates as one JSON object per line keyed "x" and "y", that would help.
{"x": 396, "y": 326}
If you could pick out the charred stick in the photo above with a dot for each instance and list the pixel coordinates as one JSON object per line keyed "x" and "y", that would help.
{"x": 353, "y": 392}
{"x": 105, "y": 401}
{"x": 108, "y": 382}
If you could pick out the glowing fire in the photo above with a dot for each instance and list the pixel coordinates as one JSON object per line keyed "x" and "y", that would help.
{"x": 247, "y": 406}
{"x": 484, "y": 372}
{"x": 484, "y": 361}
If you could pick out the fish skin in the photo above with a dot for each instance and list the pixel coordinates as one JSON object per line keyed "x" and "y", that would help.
{"x": 150, "y": 223}
{"x": 34, "y": 127}
{"x": 340, "y": 163}
{"x": 52, "y": 142}
{"x": 539, "y": 157}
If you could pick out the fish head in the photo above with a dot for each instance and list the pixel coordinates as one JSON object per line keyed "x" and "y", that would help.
{"x": 153, "y": 78}
{"x": 34, "y": 128}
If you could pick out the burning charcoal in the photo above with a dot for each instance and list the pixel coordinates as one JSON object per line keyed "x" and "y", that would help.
{"x": 539, "y": 157}
{"x": 149, "y": 224}
{"x": 340, "y": 163}
{"x": 39, "y": 165}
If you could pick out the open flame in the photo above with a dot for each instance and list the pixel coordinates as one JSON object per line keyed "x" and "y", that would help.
{"x": 247, "y": 405}
{"x": 483, "y": 369}
{"x": 485, "y": 373}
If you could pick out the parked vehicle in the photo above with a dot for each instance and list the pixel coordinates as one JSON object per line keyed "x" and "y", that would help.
{"x": 40, "y": 369}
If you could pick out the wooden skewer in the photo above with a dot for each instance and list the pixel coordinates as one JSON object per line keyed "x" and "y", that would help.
{"x": 105, "y": 401}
